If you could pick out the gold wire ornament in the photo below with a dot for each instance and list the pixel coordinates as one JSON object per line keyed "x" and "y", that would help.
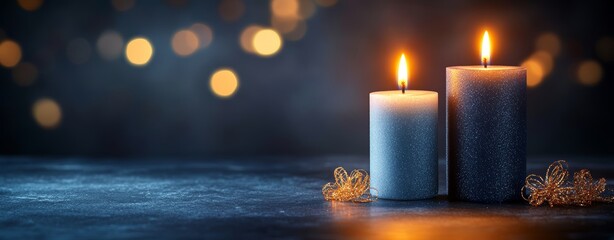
{"x": 556, "y": 190}
{"x": 353, "y": 187}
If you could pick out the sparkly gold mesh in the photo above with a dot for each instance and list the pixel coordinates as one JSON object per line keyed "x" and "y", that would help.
{"x": 557, "y": 190}
{"x": 354, "y": 187}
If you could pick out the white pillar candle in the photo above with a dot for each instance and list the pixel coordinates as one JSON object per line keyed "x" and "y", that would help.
{"x": 403, "y": 142}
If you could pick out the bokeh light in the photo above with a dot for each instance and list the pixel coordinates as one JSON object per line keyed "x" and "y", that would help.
{"x": 326, "y": 3}
{"x": 184, "y": 43}
{"x": 306, "y": 9}
{"x": 139, "y": 51}
{"x": 605, "y": 48}
{"x": 283, "y": 25}
{"x": 25, "y": 74}
{"x": 545, "y": 60}
{"x": 267, "y": 42}
{"x": 285, "y": 8}
{"x": 231, "y": 10}
{"x": 247, "y": 37}
{"x": 123, "y": 5}
{"x": 30, "y": 5}
{"x": 204, "y": 34}
{"x": 535, "y": 72}
{"x": 78, "y": 51}
{"x": 110, "y": 44}
{"x": 590, "y": 73}
{"x": 298, "y": 32}
{"x": 10, "y": 53}
{"x": 47, "y": 113}
{"x": 549, "y": 42}
{"x": 288, "y": 17}
{"x": 224, "y": 82}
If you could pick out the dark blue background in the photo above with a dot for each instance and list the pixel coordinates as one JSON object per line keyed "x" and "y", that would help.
{"x": 310, "y": 98}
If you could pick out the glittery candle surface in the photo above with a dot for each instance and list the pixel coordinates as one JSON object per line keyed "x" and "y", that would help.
{"x": 403, "y": 144}
{"x": 486, "y": 114}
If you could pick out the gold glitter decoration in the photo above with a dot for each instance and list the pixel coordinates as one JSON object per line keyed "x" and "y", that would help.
{"x": 354, "y": 187}
{"x": 556, "y": 190}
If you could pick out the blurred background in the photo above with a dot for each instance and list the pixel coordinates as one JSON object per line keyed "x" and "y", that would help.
{"x": 180, "y": 78}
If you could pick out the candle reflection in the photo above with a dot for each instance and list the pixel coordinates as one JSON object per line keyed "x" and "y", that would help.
{"x": 443, "y": 225}
{"x": 347, "y": 210}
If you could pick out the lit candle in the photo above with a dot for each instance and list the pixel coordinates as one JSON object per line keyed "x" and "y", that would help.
{"x": 486, "y": 111}
{"x": 403, "y": 141}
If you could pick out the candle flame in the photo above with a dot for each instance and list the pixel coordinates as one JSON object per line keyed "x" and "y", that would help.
{"x": 402, "y": 73}
{"x": 485, "y": 49}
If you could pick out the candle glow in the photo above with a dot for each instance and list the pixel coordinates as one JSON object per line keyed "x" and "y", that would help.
{"x": 402, "y": 73}
{"x": 485, "y": 49}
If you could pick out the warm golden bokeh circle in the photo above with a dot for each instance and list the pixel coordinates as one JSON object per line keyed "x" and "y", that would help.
{"x": 30, "y": 5}
{"x": 185, "y": 43}
{"x": 267, "y": 42}
{"x": 139, "y": 51}
{"x": 224, "y": 82}
{"x": 550, "y": 43}
{"x": 10, "y": 53}
{"x": 590, "y": 73}
{"x": 535, "y": 72}
{"x": 47, "y": 113}
{"x": 204, "y": 34}
{"x": 285, "y": 8}
{"x": 247, "y": 37}
{"x": 284, "y": 25}
{"x": 545, "y": 60}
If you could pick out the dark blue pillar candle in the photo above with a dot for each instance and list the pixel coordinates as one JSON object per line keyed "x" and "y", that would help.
{"x": 486, "y": 110}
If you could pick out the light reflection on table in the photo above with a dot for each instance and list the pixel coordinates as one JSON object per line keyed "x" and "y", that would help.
{"x": 354, "y": 220}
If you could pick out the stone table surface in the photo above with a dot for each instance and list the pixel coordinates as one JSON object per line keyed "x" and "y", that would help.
{"x": 264, "y": 197}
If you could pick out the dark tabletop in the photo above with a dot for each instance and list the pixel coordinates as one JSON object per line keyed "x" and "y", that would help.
{"x": 277, "y": 197}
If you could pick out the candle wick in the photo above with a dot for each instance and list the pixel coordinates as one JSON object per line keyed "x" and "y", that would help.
{"x": 485, "y": 62}
{"x": 403, "y": 87}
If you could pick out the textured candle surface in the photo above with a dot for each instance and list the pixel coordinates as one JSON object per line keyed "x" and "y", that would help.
{"x": 403, "y": 144}
{"x": 486, "y": 110}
